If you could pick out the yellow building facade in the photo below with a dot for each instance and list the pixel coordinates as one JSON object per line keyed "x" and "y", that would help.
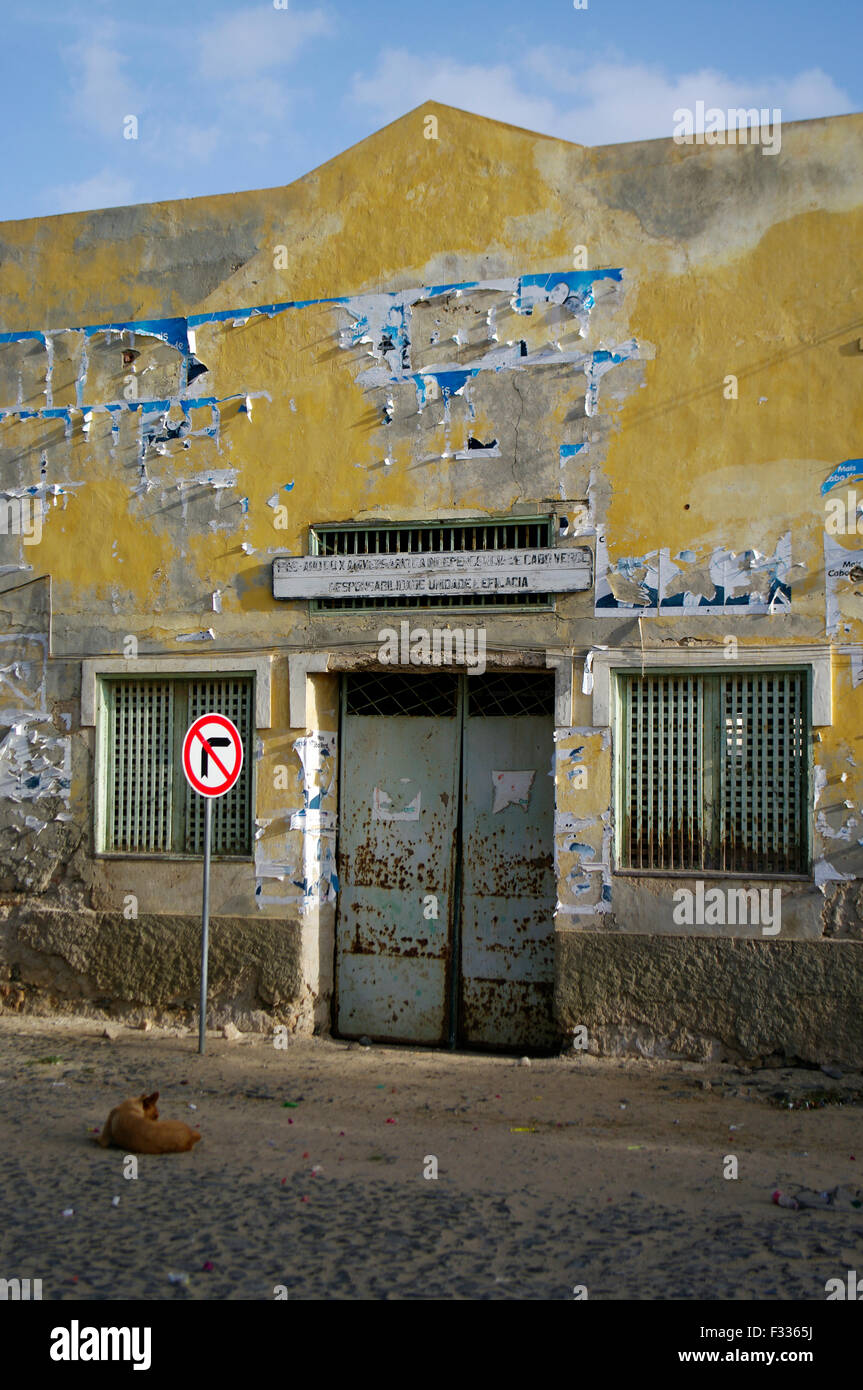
{"x": 501, "y": 491}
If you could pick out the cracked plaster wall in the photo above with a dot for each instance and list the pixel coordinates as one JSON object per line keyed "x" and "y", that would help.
{"x": 175, "y": 410}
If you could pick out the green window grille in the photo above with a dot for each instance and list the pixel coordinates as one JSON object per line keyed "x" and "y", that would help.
{"x": 716, "y": 772}
{"x": 532, "y": 533}
{"x": 149, "y": 806}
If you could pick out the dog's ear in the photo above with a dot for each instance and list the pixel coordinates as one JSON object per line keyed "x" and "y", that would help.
{"x": 150, "y": 1101}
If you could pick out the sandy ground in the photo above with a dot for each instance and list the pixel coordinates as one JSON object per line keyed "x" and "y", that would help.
{"x": 569, "y": 1171}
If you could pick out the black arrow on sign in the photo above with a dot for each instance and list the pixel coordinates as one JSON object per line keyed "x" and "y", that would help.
{"x": 205, "y": 757}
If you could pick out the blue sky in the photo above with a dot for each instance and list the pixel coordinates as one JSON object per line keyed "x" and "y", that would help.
{"x": 230, "y": 94}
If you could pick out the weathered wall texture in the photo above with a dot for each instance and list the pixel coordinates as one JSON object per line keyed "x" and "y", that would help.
{"x": 99, "y": 961}
{"x": 713, "y": 1000}
{"x": 185, "y": 388}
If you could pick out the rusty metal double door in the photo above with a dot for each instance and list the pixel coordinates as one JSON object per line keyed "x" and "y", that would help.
{"x": 445, "y": 921}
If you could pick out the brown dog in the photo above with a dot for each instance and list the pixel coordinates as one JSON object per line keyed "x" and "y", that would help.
{"x": 135, "y": 1126}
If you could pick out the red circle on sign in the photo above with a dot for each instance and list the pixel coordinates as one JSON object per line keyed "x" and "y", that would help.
{"x": 197, "y": 743}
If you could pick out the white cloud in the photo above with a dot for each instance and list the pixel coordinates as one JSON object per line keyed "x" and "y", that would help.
{"x": 603, "y": 103}
{"x": 628, "y": 101}
{"x": 198, "y": 143}
{"x": 261, "y": 106}
{"x": 179, "y": 144}
{"x": 104, "y": 190}
{"x": 815, "y": 93}
{"x": 401, "y": 78}
{"x": 102, "y": 94}
{"x": 245, "y": 44}
{"x": 243, "y": 98}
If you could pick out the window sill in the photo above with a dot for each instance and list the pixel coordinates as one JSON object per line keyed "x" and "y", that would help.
{"x": 704, "y": 874}
{"x": 174, "y": 858}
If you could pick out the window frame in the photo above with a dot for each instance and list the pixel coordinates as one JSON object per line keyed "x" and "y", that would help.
{"x": 103, "y": 717}
{"x": 680, "y": 671}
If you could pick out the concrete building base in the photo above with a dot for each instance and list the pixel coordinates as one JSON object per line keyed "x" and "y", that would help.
{"x": 100, "y": 963}
{"x": 712, "y": 998}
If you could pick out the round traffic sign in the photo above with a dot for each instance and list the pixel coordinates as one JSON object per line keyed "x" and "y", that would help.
{"x": 212, "y": 755}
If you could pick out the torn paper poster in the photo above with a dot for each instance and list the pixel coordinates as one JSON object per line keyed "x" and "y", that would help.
{"x": 320, "y": 883}
{"x": 388, "y": 329}
{"x": 263, "y": 899}
{"x": 401, "y": 802}
{"x": 824, "y": 872}
{"x": 381, "y": 330}
{"x": 273, "y": 868}
{"x": 570, "y": 826}
{"x": 572, "y": 289}
{"x": 274, "y": 500}
{"x": 726, "y": 581}
{"x": 576, "y": 772}
{"x": 631, "y": 583}
{"x": 317, "y": 754}
{"x": 217, "y": 478}
{"x": 511, "y": 789}
{"x": 23, "y": 659}
{"x": 574, "y": 731}
{"x": 843, "y": 583}
{"x": 314, "y": 821}
{"x": 582, "y": 522}
{"x": 851, "y": 471}
{"x": 587, "y": 678}
{"x": 476, "y": 449}
{"x": 826, "y": 831}
{"x": 582, "y": 860}
{"x": 272, "y": 865}
{"x": 579, "y": 768}
{"x": 596, "y": 366}
{"x": 34, "y": 765}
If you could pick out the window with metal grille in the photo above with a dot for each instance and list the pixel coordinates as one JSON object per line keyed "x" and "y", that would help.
{"x": 149, "y": 806}
{"x": 509, "y": 693}
{"x": 372, "y": 692}
{"x": 715, "y": 772}
{"x": 388, "y": 538}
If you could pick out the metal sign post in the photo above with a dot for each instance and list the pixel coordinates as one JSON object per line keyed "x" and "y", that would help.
{"x": 205, "y": 923}
{"x": 211, "y": 774}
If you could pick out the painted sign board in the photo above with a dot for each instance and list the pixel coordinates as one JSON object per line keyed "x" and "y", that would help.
{"x": 428, "y": 574}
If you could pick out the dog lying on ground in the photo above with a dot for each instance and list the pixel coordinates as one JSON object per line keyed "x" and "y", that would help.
{"x": 135, "y": 1126}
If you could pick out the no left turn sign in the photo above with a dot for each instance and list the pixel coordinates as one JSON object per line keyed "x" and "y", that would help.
{"x": 212, "y": 755}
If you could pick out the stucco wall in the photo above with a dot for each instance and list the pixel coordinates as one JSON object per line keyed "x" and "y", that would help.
{"x": 150, "y": 967}
{"x": 706, "y": 265}
{"x": 712, "y": 1000}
